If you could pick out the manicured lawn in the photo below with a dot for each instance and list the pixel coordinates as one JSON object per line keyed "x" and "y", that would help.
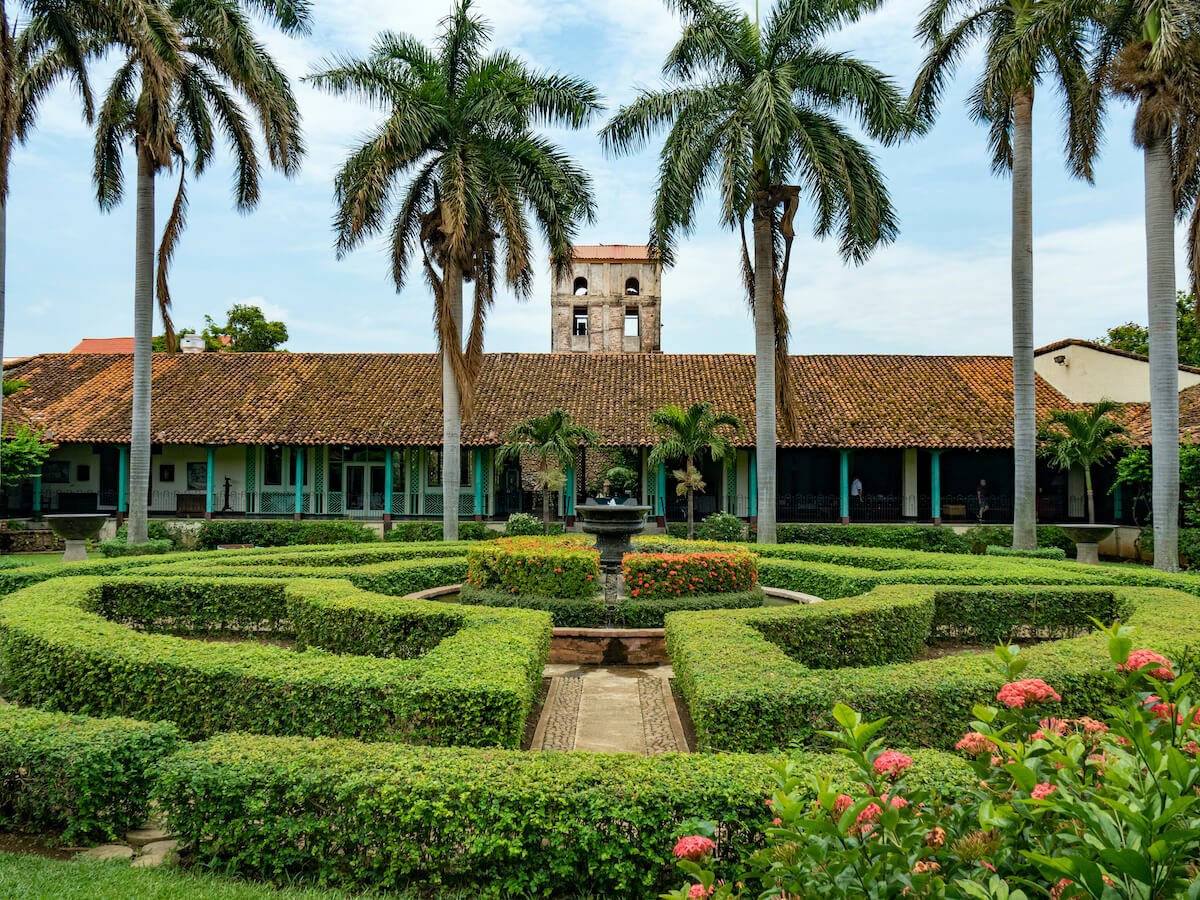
{"x": 41, "y": 559}
{"x": 36, "y": 878}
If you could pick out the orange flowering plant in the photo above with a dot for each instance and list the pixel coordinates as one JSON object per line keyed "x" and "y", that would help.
{"x": 661, "y": 576}
{"x": 563, "y": 566}
{"x": 1105, "y": 807}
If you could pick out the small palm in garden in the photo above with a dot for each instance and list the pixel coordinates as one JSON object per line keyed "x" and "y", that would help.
{"x": 1082, "y": 438}
{"x": 687, "y": 434}
{"x": 1063, "y": 808}
{"x": 551, "y": 440}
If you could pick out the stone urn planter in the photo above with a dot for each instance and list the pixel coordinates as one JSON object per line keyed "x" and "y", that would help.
{"x": 76, "y": 529}
{"x": 1087, "y": 540}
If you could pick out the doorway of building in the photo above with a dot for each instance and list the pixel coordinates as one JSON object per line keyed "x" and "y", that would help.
{"x": 364, "y": 487}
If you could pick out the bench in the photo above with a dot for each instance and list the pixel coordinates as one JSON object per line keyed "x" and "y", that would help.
{"x": 954, "y": 511}
{"x": 189, "y": 504}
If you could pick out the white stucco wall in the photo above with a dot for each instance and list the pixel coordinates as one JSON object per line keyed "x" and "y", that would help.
{"x": 1088, "y": 375}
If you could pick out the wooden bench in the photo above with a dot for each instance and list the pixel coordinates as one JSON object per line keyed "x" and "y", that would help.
{"x": 189, "y": 504}
{"x": 954, "y": 511}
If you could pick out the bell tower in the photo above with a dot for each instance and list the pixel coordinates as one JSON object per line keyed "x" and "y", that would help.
{"x": 609, "y": 302}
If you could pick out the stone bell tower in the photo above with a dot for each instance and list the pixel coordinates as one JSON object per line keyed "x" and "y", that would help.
{"x": 609, "y": 302}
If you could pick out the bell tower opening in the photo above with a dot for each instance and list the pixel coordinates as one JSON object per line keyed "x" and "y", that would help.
{"x": 609, "y": 301}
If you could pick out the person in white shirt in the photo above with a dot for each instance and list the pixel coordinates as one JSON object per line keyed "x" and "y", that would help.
{"x": 856, "y": 493}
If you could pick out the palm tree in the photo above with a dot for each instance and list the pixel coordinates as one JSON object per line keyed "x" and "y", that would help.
{"x": 1003, "y": 99}
{"x": 551, "y": 440}
{"x": 752, "y": 108}
{"x": 48, "y": 47}
{"x": 686, "y": 434}
{"x": 1082, "y": 438}
{"x": 459, "y": 127}
{"x": 195, "y": 64}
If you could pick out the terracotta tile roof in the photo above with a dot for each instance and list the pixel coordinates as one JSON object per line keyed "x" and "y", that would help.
{"x": 612, "y": 252}
{"x": 104, "y": 345}
{"x": 395, "y": 399}
{"x": 1092, "y": 345}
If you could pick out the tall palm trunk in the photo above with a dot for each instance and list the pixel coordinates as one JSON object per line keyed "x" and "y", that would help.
{"x": 691, "y": 494}
{"x": 545, "y": 498}
{"x": 143, "y": 326}
{"x": 1024, "y": 402}
{"x": 452, "y": 283}
{"x": 1091, "y": 496}
{"x": 3, "y": 245}
{"x": 764, "y": 372}
{"x": 1164, "y": 353}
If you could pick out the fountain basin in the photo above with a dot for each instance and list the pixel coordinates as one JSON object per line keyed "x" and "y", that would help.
{"x": 1087, "y": 540}
{"x": 76, "y": 529}
{"x": 613, "y": 524}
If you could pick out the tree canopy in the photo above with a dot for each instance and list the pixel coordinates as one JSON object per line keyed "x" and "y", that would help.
{"x": 1133, "y": 337}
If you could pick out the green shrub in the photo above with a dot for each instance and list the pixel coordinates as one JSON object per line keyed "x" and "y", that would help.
{"x": 69, "y": 645}
{"x": 631, "y": 612}
{"x": 114, "y": 548}
{"x": 432, "y": 531}
{"x": 657, "y": 576}
{"x": 554, "y": 567}
{"x": 980, "y": 537}
{"x": 724, "y": 527}
{"x": 88, "y": 778}
{"x": 1189, "y": 544}
{"x": 493, "y": 823}
{"x": 757, "y": 679}
{"x": 527, "y": 525}
{"x": 940, "y": 539}
{"x": 1040, "y": 553}
{"x": 155, "y": 531}
{"x": 565, "y": 612}
{"x": 271, "y": 533}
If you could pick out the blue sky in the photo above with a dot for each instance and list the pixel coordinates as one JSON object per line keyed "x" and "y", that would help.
{"x": 941, "y": 288}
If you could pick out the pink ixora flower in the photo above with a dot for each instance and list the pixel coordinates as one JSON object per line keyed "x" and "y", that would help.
{"x": 694, "y": 847}
{"x": 1016, "y": 694}
{"x": 1042, "y": 791}
{"x": 975, "y": 743}
{"x": 842, "y": 803}
{"x": 892, "y": 764}
{"x": 1057, "y": 891}
{"x": 1139, "y": 659}
{"x": 697, "y": 891}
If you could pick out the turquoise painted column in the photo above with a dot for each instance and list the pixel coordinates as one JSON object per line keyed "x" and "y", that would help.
{"x": 37, "y": 491}
{"x": 662, "y": 490}
{"x": 753, "y": 470}
{"x": 844, "y": 487}
{"x": 1117, "y": 511}
{"x": 210, "y": 483}
{"x": 935, "y": 486}
{"x": 479, "y": 483}
{"x": 298, "y": 509}
{"x": 388, "y": 462}
{"x": 123, "y": 481}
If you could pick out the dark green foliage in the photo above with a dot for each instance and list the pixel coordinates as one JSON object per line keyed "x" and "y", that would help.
{"x": 114, "y": 548}
{"x": 88, "y": 778}
{"x": 500, "y": 823}
{"x": 630, "y": 612}
{"x": 432, "y": 531}
{"x": 526, "y": 525}
{"x": 752, "y": 681}
{"x": 271, "y": 533}
{"x": 22, "y": 450}
{"x": 1189, "y": 544}
{"x": 901, "y": 537}
{"x": 1039, "y": 553}
{"x": 475, "y": 685}
{"x": 724, "y": 527}
{"x": 155, "y": 531}
{"x": 563, "y": 567}
{"x": 980, "y": 537}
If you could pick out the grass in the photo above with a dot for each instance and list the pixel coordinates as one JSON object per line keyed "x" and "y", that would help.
{"x": 41, "y": 559}
{"x": 37, "y": 878}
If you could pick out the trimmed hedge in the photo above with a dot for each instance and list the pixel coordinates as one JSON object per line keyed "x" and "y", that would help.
{"x": 760, "y": 679}
{"x": 271, "y": 533}
{"x": 554, "y": 567}
{"x": 980, "y": 537}
{"x": 88, "y": 778}
{"x": 59, "y": 648}
{"x": 1040, "y": 553}
{"x": 114, "y": 548}
{"x": 432, "y": 531}
{"x": 659, "y": 576}
{"x": 495, "y": 823}
{"x": 936, "y": 538}
{"x": 631, "y": 612}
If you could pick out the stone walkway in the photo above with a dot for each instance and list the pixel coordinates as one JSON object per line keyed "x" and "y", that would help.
{"x": 614, "y": 709}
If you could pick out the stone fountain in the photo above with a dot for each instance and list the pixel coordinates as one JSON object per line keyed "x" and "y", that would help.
{"x": 1087, "y": 540}
{"x": 76, "y": 529}
{"x": 613, "y": 524}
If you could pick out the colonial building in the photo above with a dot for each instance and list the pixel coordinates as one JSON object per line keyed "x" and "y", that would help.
{"x": 358, "y": 435}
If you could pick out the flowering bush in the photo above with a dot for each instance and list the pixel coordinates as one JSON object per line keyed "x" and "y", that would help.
{"x": 552, "y": 567}
{"x": 1064, "y": 808}
{"x": 658, "y": 576}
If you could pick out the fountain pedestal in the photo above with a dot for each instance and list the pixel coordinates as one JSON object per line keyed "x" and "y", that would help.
{"x": 76, "y": 529}
{"x": 613, "y": 524}
{"x": 1087, "y": 540}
